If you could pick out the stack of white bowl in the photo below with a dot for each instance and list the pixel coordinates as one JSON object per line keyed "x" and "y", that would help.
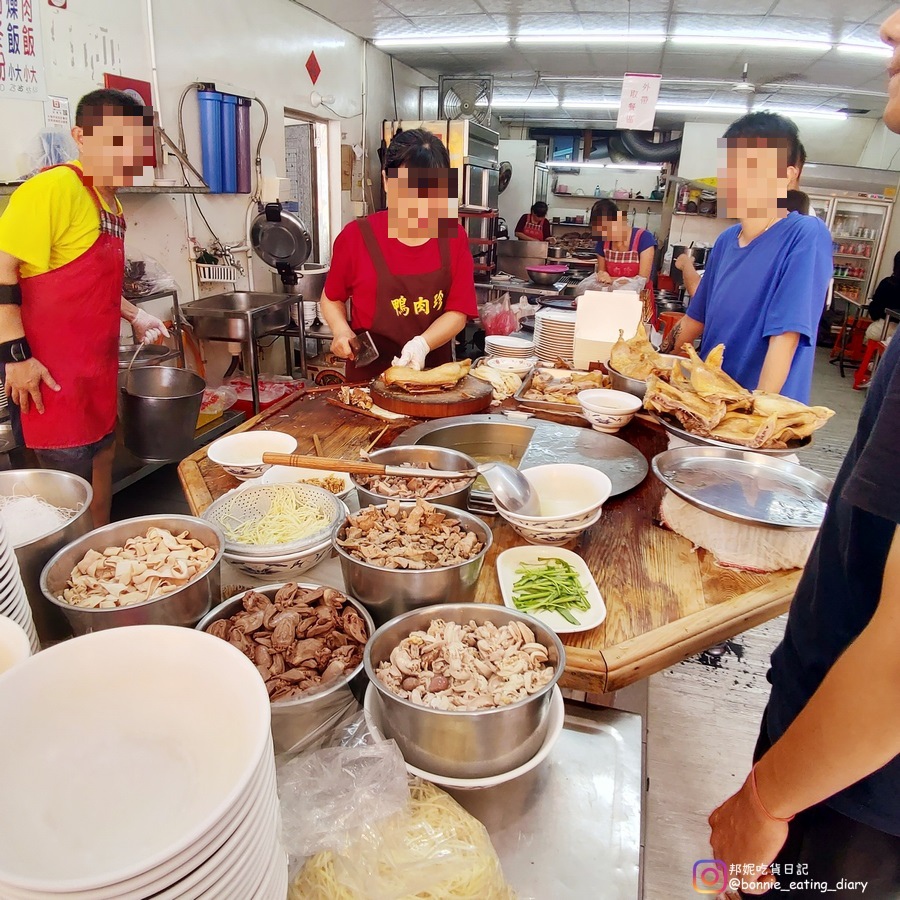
{"x": 13, "y": 601}
{"x": 554, "y": 335}
{"x": 571, "y": 501}
{"x": 138, "y": 762}
{"x": 508, "y": 347}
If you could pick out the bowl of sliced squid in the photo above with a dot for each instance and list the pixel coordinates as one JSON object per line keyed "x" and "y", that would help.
{"x": 151, "y": 570}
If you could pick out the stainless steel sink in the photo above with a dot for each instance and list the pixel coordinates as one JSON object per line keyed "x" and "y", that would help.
{"x": 240, "y": 315}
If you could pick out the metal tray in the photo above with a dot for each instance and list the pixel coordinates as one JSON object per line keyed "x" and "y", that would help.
{"x": 745, "y": 487}
{"x": 679, "y": 432}
{"x": 572, "y": 409}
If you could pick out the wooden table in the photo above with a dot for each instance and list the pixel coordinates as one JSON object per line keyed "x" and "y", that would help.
{"x": 665, "y": 601}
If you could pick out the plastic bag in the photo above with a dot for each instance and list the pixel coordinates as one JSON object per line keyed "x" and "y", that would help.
{"x": 497, "y": 317}
{"x": 50, "y": 147}
{"x": 327, "y": 794}
{"x": 434, "y": 849}
{"x": 144, "y": 276}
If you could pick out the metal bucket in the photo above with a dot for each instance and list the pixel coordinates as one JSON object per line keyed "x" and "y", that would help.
{"x": 67, "y": 492}
{"x": 159, "y": 407}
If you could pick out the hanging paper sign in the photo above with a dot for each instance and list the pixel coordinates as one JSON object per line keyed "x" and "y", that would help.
{"x": 21, "y": 56}
{"x": 637, "y": 108}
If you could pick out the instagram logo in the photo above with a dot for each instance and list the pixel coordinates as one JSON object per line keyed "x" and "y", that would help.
{"x": 710, "y": 876}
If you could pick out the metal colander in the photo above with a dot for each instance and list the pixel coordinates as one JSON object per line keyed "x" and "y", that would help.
{"x": 247, "y": 504}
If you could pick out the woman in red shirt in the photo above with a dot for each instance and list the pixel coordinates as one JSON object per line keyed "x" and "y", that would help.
{"x": 407, "y": 271}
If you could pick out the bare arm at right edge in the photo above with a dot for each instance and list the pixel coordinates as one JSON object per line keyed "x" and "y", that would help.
{"x": 22, "y": 380}
{"x": 686, "y": 331}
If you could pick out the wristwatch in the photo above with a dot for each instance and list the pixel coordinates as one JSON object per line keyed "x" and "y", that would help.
{"x": 15, "y": 351}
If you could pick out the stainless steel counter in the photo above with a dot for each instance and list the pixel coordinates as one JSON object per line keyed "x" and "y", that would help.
{"x": 571, "y": 829}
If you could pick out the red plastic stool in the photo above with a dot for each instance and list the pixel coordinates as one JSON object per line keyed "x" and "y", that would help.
{"x": 668, "y": 320}
{"x": 871, "y": 356}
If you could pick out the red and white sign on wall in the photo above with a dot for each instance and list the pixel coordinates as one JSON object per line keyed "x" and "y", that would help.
{"x": 21, "y": 58}
{"x": 637, "y": 108}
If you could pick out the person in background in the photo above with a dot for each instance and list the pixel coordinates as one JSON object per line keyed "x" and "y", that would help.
{"x": 622, "y": 251}
{"x": 407, "y": 271}
{"x": 821, "y": 804}
{"x": 62, "y": 264}
{"x": 763, "y": 290}
{"x": 886, "y": 296}
{"x": 534, "y": 226}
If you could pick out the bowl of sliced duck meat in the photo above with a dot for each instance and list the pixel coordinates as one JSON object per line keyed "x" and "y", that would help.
{"x": 374, "y": 490}
{"x": 307, "y": 642}
{"x": 399, "y": 556}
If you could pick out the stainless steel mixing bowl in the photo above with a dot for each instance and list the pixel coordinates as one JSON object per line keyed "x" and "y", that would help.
{"x": 390, "y": 592}
{"x": 421, "y": 456}
{"x": 186, "y": 606}
{"x": 475, "y": 744}
{"x": 297, "y": 723}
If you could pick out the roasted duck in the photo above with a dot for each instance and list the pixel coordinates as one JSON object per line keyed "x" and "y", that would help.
{"x": 429, "y": 381}
{"x": 637, "y": 357}
{"x": 707, "y": 402}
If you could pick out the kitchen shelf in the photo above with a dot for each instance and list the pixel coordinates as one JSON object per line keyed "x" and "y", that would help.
{"x": 852, "y": 237}
{"x": 615, "y": 200}
{"x": 848, "y": 278}
{"x": 7, "y": 188}
{"x": 694, "y": 215}
{"x": 852, "y": 256}
{"x": 569, "y": 225}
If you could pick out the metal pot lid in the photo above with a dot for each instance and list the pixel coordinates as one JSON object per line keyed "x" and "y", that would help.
{"x": 280, "y": 239}
{"x": 745, "y": 487}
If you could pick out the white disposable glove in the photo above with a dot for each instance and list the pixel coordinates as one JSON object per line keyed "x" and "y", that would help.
{"x": 413, "y": 353}
{"x": 148, "y": 329}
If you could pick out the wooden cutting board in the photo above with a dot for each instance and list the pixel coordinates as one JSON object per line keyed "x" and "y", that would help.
{"x": 471, "y": 395}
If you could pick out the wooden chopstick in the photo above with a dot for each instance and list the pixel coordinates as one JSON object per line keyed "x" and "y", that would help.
{"x": 318, "y": 445}
{"x": 375, "y": 440}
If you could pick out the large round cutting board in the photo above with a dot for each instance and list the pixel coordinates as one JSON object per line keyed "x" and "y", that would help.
{"x": 470, "y": 396}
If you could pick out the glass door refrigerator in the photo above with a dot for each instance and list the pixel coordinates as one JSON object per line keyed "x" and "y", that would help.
{"x": 858, "y": 232}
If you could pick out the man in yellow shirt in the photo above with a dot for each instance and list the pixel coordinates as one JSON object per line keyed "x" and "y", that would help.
{"x": 62, "y": 262}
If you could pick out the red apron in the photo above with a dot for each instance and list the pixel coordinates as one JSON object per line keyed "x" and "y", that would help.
{"x": 627, "y": 264}
{"x": 534, "y": 228}
{"x": 71, "y": 318}
{"x": 624, "y": 263}
{"x": 405, "y": 305}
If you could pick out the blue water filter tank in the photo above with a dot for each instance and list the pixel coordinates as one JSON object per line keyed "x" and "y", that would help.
{"x": 211, "y": 139}
{"x": 229, "y": 143}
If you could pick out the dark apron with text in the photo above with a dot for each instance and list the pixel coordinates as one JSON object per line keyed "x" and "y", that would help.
{"x": 405, "y": 306}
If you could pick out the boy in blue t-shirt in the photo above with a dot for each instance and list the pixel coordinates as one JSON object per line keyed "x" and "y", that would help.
{"x": 764, "y": 288}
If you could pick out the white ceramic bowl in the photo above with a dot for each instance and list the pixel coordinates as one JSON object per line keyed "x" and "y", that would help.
{"x": 287, "y": 566}
{"x": 608, "y": 410}
{"x": 569, "y": 493}
{"x": 113, "y": 775}
{"x": 15, "y": 645}
{"x": 550, "y": 534}
{"x": 241, "y": 454}
{"x": 293, "y": 475}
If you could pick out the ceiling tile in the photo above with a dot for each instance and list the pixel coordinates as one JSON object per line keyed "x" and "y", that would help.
{"x": 516, "y": 8}
{"x": 478, "y": 23}
{"x": 858, "y": 11}
{"x": 415, "y": 8}
{"x": 621, "y": 6}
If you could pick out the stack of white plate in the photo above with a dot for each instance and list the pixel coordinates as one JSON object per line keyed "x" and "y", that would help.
{"x": 13, "y": 601}
{"x": 508, "y": 346}
{"x": 138, "y": 762}
{"x": 554, "y": 335}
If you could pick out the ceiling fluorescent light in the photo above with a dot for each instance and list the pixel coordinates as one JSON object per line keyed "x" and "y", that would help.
{"x": 807, "y": 113}
{"x": 588, "y": 37}
{"x": 765, "y": 43}
{"x": 532, "y": 103}
{"x": 733, "y": 109}
{"x": 866, "y": 49}
{"x": 575, "y": 164}
{"x": 447, "y": 40}
{"x": 655, "y": 167}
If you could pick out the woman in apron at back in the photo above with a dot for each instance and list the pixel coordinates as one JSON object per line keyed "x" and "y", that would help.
{"x": 406, "y": 272}
{"x": 534, "y": 226}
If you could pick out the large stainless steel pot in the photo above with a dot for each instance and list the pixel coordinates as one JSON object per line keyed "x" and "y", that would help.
{"x": 390, "y": 592}
{"x": 557, "y": 252}
{"x": 159, "y": 407}
{"x": 634, "y": 386}
{"x": 474, "y": 744}
{"x": 186, "y": 606}
{"x": 423, "y": 457}
{"x": 66, "y": 492}
{"x": 297, "y": 723}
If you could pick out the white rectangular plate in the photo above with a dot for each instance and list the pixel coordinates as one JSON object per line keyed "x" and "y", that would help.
{"x": 510, "y": 560}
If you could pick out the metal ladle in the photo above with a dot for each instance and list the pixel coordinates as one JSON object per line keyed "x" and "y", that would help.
{"x": 511, "y": 489}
